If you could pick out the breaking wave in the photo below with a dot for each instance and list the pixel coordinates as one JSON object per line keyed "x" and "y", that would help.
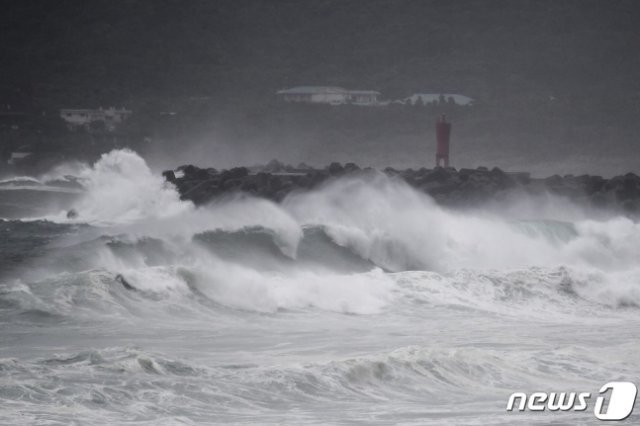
{"x": 336, "y": 248}
{"x": 130, "y": 382}
{"x": 362, "y": 299}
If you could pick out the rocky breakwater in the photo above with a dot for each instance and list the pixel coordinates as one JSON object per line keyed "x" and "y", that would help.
{"x": 449, "y": 187}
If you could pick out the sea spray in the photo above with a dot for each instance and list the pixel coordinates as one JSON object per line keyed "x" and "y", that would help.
{"x": 121, "y": 189}
{"x": 361, "y": 299}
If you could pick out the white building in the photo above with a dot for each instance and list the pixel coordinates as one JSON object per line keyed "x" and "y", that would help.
{"x": 111, "y": 117}
{"x": 16, "y": 157}
{"x": 329, "y": 95}
{"x": 438, "y": 98}
{"x": 363, "y": 97}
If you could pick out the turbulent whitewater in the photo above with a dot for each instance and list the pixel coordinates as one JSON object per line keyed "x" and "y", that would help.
{"x": 362, "y": 302}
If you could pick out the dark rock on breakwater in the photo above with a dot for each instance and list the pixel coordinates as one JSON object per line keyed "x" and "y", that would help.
{"x": 449, "y": 187}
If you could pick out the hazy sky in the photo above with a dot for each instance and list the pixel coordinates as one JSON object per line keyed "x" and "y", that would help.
{"x": 555, "y": 82}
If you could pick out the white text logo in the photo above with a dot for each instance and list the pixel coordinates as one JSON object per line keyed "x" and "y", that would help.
{"x": 615, "y": 401}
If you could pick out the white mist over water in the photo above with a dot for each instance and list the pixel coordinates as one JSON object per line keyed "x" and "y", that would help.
{"x": 379, "y": 219}
{"x": 373, "y": 215}
{"x": 362, "y": 301}
{"x": 122, "y": 189}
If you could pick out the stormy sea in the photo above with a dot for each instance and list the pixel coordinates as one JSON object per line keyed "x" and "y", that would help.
{"x": 360, "y": 302}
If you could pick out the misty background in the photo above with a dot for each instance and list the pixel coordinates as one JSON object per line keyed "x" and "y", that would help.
{"x": 556, "y": 83}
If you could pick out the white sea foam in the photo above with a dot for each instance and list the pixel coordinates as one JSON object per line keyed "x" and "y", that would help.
{"x": 238, "y": 312}
{"x": 379, "y": 219}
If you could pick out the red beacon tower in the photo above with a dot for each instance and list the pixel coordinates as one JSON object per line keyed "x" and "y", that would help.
{"x": 443, "y": 133}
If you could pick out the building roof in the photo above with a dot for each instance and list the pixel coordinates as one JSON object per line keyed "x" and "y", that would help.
{"x": 363, "y": 92}
{"x": 112, "y": 109}
{"x": 310, "y": 90}
{"x": 435, "y": 97}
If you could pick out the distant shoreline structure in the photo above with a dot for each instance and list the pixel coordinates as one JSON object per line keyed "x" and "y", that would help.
{"x": 334, "y": 96}
{"x": 447, "y": 186}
